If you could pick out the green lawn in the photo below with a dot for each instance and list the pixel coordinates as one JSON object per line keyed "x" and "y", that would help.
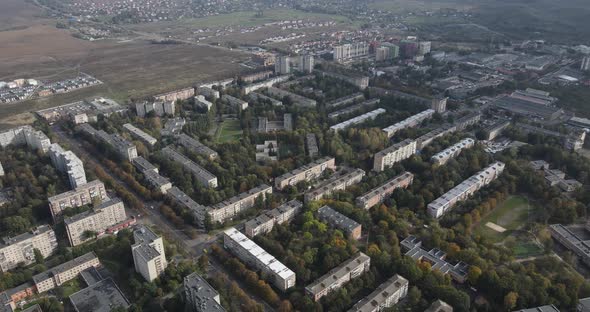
{"x": 524, "y": 249}
{"x": 510, "y": 214}
{"x": 229, "y": 131}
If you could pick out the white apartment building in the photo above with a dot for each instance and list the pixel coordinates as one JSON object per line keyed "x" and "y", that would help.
{"x": 409, "y": 122}
{"x": 283, "y": 65}
{"x": 97, "y": 220}
{"x": 240, "y": 104}
{"x": 385, "y": 296}
{"x": 82, "y": 195}
{"x": 453, "y": 151}
{"x": 394, "y": 154}
{"x": 229, "y": 208}
{"x": 69, "y": 163}
{"x": 208, "y": 92}
{"x": 201, "y": 101}
{"x": 339, "y": 181}
{"x": 160, "y": 108}
{"x": 140, "y": 134}
{"x": 148, "y": 253}
{"x": 307, "y": 172}
{"x": 20, "y": 249}
{"x": 306, "y": 63}
{"x": 346, "y": 52}
{"x": 254, "y": 256}
{"x": 358, "y": 119}
{"x": 441, "y": 205}
{"x": 379, "y": 194}
{"x": 65, "y": 272}
{"x": 25, "y": 135}
{"x": 265, "y": 222}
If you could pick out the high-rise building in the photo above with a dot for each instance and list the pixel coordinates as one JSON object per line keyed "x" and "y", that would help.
{"x": 585, "y": 66}
{"x": 393, "y": 49}
{"x": 283, "y": 65}
{"x": 25, "y": 135}
{"x": 439, "y": 104}
{"x": 124, "y": 148}
{"x": 349, "y": 51}
{"x": 382, "y": 54}
{"x": 68, "y": 162}
{"x": 199, "y": 295}
{"x": 86, "y": 225}
{"x": 148, "y": 253}
{"x": 306, "y": 63}
{"x": 424, "y": 47}
{"x": 20, "y": 249}
{"x": 160, "y": 108}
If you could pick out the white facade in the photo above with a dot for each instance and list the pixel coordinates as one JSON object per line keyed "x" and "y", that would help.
{"x": 148, "y": 253}
{"x": 68, "y": 162}
{"x": 358, "y": 119}
{"x": 140, "y": 134}
{"x": 385, "y": 296}
{"x": 98, "y": 220}
{"x": 21, "y": 248}
{"x": 25, "y": 135}
{"x": 409, "y": 122}
{"x": 200, "y": 101}
{"x": 394, "y": 154}
{"x": 445, "y": 155}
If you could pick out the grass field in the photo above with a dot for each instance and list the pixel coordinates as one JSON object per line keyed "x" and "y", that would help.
{"x": 229, "y": 131}
{"x": 524, "y": 249}
{"x": 510, "y": 214}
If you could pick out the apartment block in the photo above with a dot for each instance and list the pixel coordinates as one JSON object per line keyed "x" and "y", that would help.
{"x": 65, "y": 272}
{"x": 358, "y": 119}
{"x": 349, "y": 51}
{"x": 230, "y": 208}
{"x": 140, "y": 134}
{"x": 254, "y": 256}
{"x": 176, "y": 95}
{"x": 379, "y": 194}
{"x": 265, "y": 84}
{"x": 409, "y": 122}
{"x": 394, "y": 154}
{"x": 208, "y": 92}
{"x": 123, "y": 147}
{"x": 201, "y": 174}
{"x": 339, "y": 181}
{"x": 306, "y": 63}
{"x": 148, "y": 253}
{"x": 467, "y": 120}
{"x": 571, "y": 241}
{"x": 201, "y": 101}
{"x": 441, "y": 205}
{"x": 453, "y": 151}
{"x": 101, "y": 296}
{"x": 307, "y": 172}
{"x": 20, "y": 249}
{"x": 97, "y": 220}
{"x": 353, "y": 108}
{"x": 160, "y": 108}
{"x": 494, "y": 130}
{"x": 158, "y": 182}
{"x": 144, "y": 165}
{"x": 257, "y": 76}
{"x": 360, "y": 81}
{"x": 312, "y": 145}
{"x": 283, "y": 65}
{"x": 439, "y": 104}
{"x": 233, "y": 101}
{"x": 429, "y": 137}
{"x": 337, "y": 277}
{"x": 197, "y": 210}
{"x": 351, "y": 228}
{"x": 297, "y": 99}
{"x": 259, "y": 97}
{"x": 173, "y": 126}
{"x": 349, "y": 99}
{"x": 436, "y": 258}
{"x": 69, "y": 163}
{"x": 25, "y": 135}
{"x": 199, "y": 295}
{"x": 82, "y": 195}
{"x": 265, "y": 222}
{"x": 385, "y": 296}
{"x": 195, "y": 146}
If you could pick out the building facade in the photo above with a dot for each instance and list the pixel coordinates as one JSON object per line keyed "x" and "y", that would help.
{"x": 95, "y": 221}
{"x": 337, "y": 277}
{"x": 69, "y": 163}
{"x": 394, "y": 154}
{"x": 339, "y": 181}
{"x": 86, "y": 194}
{"x": 385, "y": 296}
{"x": 149, "y": 256}
{"x": 409, "y": 122}
{"x": 265, "y": 222}
{"x": 199, "y": 295}
{"x": 453, "y": 151}
{"x": 229, "y": 208}
{"x": 308, "y": 172}
{"x": 140, "y": 134}
{"x": 351, "y": 228}
{"x": 20, "y": 249}
{"x": 201, "y": 174}
{"x": 379, "y": 194}
{"x": 65, "y": 272}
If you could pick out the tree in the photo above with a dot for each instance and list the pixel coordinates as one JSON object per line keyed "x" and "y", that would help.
{"x": 473, "y": 274}
{"x": 39, "y": 259}
{"x": 203, "y": 262}
{"x": 510, "y": 300}
{"x": 285, "y": 306}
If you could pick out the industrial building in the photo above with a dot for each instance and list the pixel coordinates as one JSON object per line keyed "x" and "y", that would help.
{"x": 84, "y": 226}
{"x": 140, "y": 134}
{"x": 307, "y": 172}
{"x": 453, "y": 151}
{"x": 410, "y": 122}
{"x": 254, "y": 256}
{"x": 337, "y": 277}
{"x": 380, "y": 193}
{"x": 465, "y": 189}
{"x": 82, "y": 195}
{"x": 64, "y": 272}
{"x": 149, "y": 257}
{"x": 230, "y": 208}
{"x": 353, "y": 108}
{"x": 385, "y": 296}
{"x": 526, "y": 106}
{"x": 394, "y": 154}
{"x": 199, "y": 295}
{"x": 351, "y": 228}
{"x": 265, "y": 222}
{"x": 69, "y": 163}
{"x": 358, "y": 119}
{"x": 436, "y": 258}
{"x": 201, "y": 174}
{"x": 20, "y": 249}
{"x": 339, "y": 181}
{"x": 495, "y": 129}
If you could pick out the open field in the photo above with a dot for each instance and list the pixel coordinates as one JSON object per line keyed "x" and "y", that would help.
{"x": 510, "y": 214}
{"x": 402, "y": 6}
{"x": 18, "y": 14}
{"x": 229, "y": 131}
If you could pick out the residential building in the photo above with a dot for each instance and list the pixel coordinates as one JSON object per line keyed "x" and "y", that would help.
{"x": 201, "y": 174}
{"x": 361, "y": 81}
{"x": 1, "y": 170}
{"x": 297, "y": 99}
{"x": 255, "y": 96}
{"x": 380, "y": 193}
{"x": 436, "y": 258}
{"x": 95, "y": 222}
{"x": 494, "y": 130}
{"x": 583, "y": 305}
{"x": 409, "y": 122}
{"x": 208, "y": 92}
{"x": 394, "y": 154}
{"x": 337, "y": 277}
{"x": 140, "y": 134}
{"x": 68, "y": 163}
{"x": 195, "y": 146}
{"x": 176, "y": 95}
{"x": 424, "y": 47}
{"x": 25, "y": 135}
{"x": 102, "y": 296}
{"x": 571, "y": 241}
{"x": 20, "y": 249}
{"x": 585, "y": 65}
{"x": 467, "y": 120}
{"x": 439, "y": 306}
{"x": 197, "y": 210}
{"x": 385, "y": 296}
{"x": 233, "y": 101}
{"x": 266, "y": 126}
{"x": 268, "y": 151}
{"x": 86, "y": 194}
{"x": 312, "y": 145}
{"x": 265, "y": 84}
{"x": 148, "y": 253}
{"x": 393, "y": 49}
{"x": 124, "y": 148}
{"x": 358, "y": 119}
{"x": 265, "y": 222}
{"x": 353, "y": 108}
{"x": 157, "y": 181}
{"x": 429, "y": 137}
{"x": 439, "y": 104}
{"x": 465, "y": 189}
{"x": 339, "y": 181}
{"x": 350, "y": 51}
{"x": 545, "y": 308}
{"x": 254, "y": 256}
{"x": 382, "y": 54}
{"x": 257, "y": 76}
{"x": 201, "y": 101}
{"x": 199, "y": 295}
{"x": 351, "y": 228}
{"x": 283, "y": 65}
{"x": 306, "y": 63}
{"x": 453, "y": 151}
{"x": 230, "y": 208}
{"x": 307, "y": 172}
{"x": 173, "y": 126}
{"x": 160, "y": 108}
{"x": 143, "y": 165}
{"x": 64, "y": 272}
{"x": 349, "y": 99}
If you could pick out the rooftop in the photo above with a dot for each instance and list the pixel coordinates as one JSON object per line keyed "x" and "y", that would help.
{"x": 335, "y": 218}
{"x": 64, "y": 267}
{"x": 103, "y": 296}
{"x": 334, "y": 275}
{"x": 24, "y": 236}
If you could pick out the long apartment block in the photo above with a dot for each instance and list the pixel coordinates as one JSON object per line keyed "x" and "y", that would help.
{"x": 307, "y": 172}
{"x": 337, "y": 277}
{"x": 349, "y": 99}
{"x": 571, "y": 241}
{"x": 353, "y": 108}
{"x": 230, "y": 208}
{"x": 140, "y": 134}
{"x": 197, "y": 210}
{"x": 254, "y": 256}
{"x": 351, "y": 228}
{"x": 385, "y": 296}
{"x": 200, "y": 295}
{"x": 65, "y": 272}
{"x": 20, "y": 249}
{"x": 429, "y": 137}
{"x": 124, "y": 148}
{"x": 436, "y": 258}
{"x": 201, "y": 174}
{"x": 453, "y": 151}
{"x": 83, "y": 195}
{"x": 409, "y": 122}
{"x": 339, "y": 181}
{"x": 97, "y": 221}
{"x": 394, "y": 154}
{"x": 69, "y": 163}
{"x": 379, "y": 194}
{"x": 441, "y": 205}
{"x": 265, "y": 222}
{"x": 195, "y": 146}
{"x": 297, "y": 99}
{"x": 358, "y": 119}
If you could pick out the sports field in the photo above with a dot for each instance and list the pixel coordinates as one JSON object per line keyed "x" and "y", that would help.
{"x": 510, "y": 215}
{"x": 229, "y": 131}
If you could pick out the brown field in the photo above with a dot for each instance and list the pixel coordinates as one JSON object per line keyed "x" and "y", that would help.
{"x": 18, "y": 14}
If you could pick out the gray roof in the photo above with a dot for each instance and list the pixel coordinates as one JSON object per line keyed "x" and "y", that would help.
{"x": 103, "y": 296}
{"x": 24, "y": 236}
{"x": 64, "y": 267}
{"x": 337, "y": 273}
{"x": 202, "y": 294}
{"x": 335, "y": 218}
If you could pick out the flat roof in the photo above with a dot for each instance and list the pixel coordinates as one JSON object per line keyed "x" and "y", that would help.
{"x": 103, "y": 296}
{"x": 6, "y": 241}
{"x": 337, "y": 273}
{"x": 335, "y": 218}
{"x": 64, "y": 267}
{"x": 381, "y": 294}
